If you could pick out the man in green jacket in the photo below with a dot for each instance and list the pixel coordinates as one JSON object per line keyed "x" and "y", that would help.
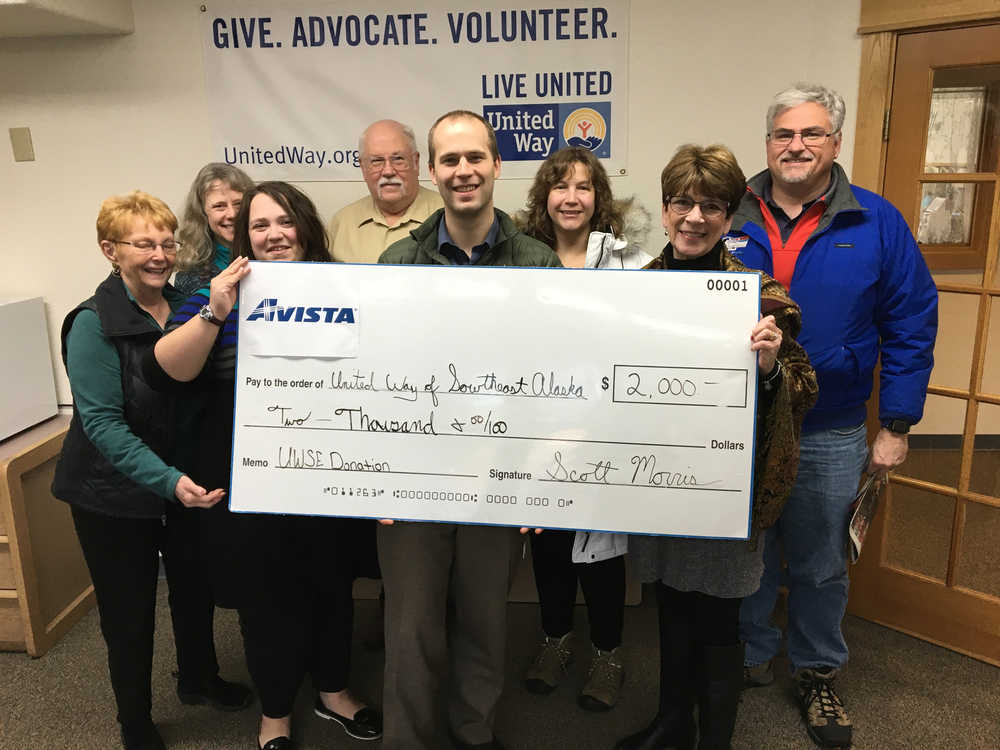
{"x": 431, "y": 568}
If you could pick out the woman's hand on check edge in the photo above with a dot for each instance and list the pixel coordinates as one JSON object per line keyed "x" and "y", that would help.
{"x": 526, "y": 529}
{"x": 224, "y": 289}
{"x": 765, "y": 339}
{"x": 193, "y": 496}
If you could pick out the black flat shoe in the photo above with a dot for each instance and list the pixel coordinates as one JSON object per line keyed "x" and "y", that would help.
{"x": 222, "y": 695}
{"x": 278, "y": 743}
{"x": 493, "y": 744}
{"x": 366, "y": 724}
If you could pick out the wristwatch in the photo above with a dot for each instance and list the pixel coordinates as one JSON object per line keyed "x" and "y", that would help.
{"x": 205, "y": 313}
{"x": 899, "y": 426}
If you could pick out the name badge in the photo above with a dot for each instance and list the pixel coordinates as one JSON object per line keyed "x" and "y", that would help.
{"x": 737, "y": 242}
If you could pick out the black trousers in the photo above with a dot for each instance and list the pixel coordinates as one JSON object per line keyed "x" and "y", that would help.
{"x": 122, "y": 555}
{"x": 689, "y": 622}
{"x": 305, "y": 626}
{"x": 709, "y": 620}
{"x": 556, "y": 576}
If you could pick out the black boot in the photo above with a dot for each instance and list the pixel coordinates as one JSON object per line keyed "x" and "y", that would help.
{"x": 673, "y": 728}
{"x": 671, "y": 731}
{"x": 720, "y": 682}
{"x": 141, "y": 735}
{"x": 216, "y": 692}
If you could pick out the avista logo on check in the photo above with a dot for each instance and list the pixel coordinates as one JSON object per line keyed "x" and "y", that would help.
{"x": 270, "y": 310}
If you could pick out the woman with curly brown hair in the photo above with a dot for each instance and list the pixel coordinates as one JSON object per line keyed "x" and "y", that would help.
{"x": 570, "y": 208}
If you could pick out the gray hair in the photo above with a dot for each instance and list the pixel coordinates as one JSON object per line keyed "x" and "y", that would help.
{"x": 803, "y": 93}
{"x": 406, "y": 130}
{"x": 198, "y": 246}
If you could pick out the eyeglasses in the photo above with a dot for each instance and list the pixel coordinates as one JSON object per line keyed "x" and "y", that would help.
{"x": 810, "y": 137}
{"x": 170, "y": 247}
{"x": 398, "y": 162}
{"x": 682, "y": 206}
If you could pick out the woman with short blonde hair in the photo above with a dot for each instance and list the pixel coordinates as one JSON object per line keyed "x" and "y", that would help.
{"x": 128, "y": 501}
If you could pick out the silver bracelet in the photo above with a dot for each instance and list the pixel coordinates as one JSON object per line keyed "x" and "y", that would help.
{"x": 771, "y": 379}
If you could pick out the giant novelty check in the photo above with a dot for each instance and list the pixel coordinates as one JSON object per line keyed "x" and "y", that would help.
{"x": 557, "y": 398}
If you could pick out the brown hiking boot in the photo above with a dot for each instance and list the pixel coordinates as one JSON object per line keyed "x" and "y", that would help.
{"x": 550, "y": 664}
{"x": 604, "y": 681}
{"x": 759, "y": 675}
{"x": 824, "y": 714}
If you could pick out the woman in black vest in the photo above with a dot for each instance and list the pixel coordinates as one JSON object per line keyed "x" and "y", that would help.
{"x": 128, "y": 504}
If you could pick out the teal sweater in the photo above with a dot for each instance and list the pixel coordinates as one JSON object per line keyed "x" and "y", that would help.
{"x": 188, "y": 282}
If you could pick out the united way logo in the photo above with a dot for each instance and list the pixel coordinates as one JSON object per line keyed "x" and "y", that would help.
{"x": 530, "y": 132}
{"x": 585, "y": 127}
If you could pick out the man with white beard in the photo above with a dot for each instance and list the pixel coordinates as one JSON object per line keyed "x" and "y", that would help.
{"x": 847, "y": 257}
{"x": 390, "y": 163}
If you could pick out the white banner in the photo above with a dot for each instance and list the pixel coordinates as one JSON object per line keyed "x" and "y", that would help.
{"x": 292, "y": 83}
{"x": 560, "y": 398}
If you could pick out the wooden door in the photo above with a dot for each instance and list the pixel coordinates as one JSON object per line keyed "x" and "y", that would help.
{"x": 931, "y": 566}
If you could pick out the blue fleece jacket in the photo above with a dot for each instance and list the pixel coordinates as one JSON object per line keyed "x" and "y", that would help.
{"x": 865, "y": 291}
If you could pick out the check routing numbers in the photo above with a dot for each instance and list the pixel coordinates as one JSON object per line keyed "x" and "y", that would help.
{"x": 636, "y": 415}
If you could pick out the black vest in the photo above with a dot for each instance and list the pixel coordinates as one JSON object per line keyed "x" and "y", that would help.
{"x": 83, "y": 476}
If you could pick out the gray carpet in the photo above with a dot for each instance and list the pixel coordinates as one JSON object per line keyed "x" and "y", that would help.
{"x": 902, "y": 693}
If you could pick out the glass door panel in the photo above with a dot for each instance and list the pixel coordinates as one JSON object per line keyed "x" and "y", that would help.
{"x": 985, "y": 476}
{"x": 936, "y": 442}
{"x": 918, "y": 536}
{"x": 991, "y": 365}
{"x": 946, "y": 211}
{"x": 962, "y": 125}
{"x": 979, "y": 565}
{"x": 953, "y": 348}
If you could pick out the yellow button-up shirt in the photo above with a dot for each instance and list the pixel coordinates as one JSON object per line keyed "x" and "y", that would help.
{"x": 360, "y": 234}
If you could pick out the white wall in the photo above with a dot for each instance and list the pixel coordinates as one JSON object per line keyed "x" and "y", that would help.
{"x": 111, "y": 114}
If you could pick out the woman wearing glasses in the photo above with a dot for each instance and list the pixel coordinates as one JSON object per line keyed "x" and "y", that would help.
{"x": 128, "y": 503}
{"x": 701, "y": 582}
{"x": 289, "y": 576}
{"x": 570, "y": 208}
{"x": 207, "y": 229}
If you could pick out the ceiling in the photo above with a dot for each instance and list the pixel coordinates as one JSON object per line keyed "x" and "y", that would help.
{"x": 35, "y": 18}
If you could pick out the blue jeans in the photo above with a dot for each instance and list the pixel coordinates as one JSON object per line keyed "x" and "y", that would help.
{"x": 812, "y": 531}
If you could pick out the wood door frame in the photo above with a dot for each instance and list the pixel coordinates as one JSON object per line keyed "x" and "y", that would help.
{"x": 897, "y": 15}
{"x": 881, "y": 24}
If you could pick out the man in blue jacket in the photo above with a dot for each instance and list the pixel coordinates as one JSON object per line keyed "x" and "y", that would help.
{"x": 849, "y": 260}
